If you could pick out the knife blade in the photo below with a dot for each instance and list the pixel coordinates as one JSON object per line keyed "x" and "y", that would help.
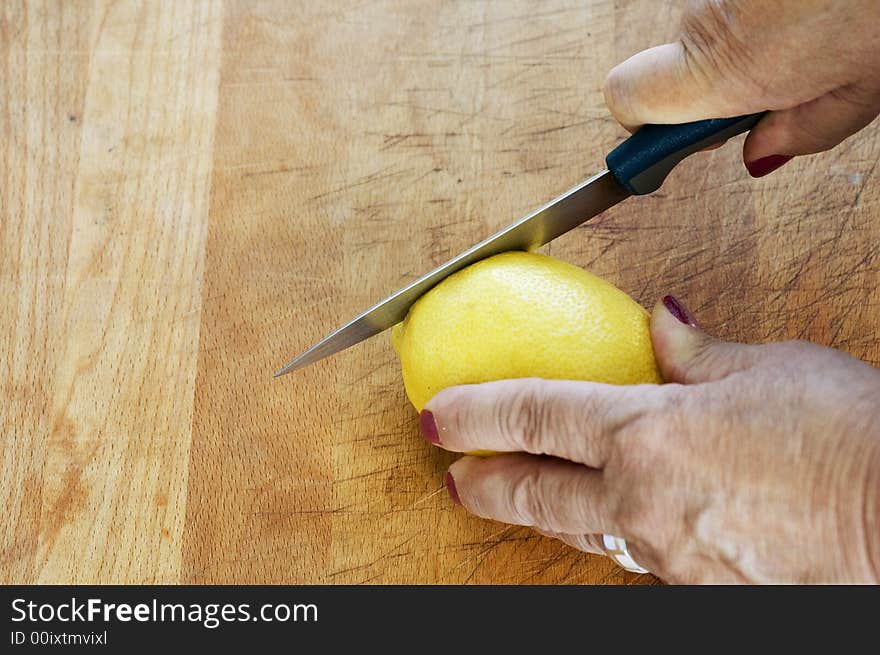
{"x": 557, "y": 217}
{"x": 637, "y": 166}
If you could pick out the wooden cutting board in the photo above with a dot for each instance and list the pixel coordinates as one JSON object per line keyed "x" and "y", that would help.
{"x": 193, "y": 192}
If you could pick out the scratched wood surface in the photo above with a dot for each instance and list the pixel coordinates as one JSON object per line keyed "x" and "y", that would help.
{"x": 192, "y": 192}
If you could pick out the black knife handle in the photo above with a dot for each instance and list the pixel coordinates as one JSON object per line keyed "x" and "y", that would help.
{"x": 641, "y": 163}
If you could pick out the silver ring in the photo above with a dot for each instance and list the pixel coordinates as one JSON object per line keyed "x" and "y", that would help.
{"x": 616, "y": 549}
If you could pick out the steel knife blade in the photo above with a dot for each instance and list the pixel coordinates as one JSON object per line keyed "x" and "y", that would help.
{"x": 533, "y": 230}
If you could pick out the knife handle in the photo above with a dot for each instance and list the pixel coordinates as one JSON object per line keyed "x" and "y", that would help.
{"x": 641, "y": 163}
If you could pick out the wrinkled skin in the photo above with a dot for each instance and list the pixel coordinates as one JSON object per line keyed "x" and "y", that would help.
{"x": 755, "y": 464}
{"x": 815, "y": 63}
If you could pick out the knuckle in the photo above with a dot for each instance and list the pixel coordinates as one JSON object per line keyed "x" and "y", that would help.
{"x": 589, "y": 543}
{"x": 528, "y": 503}
{"x": 522, "y": 418}
{"x": 648, "y": 516}
{"x": 706, "y": 356}
{"x": 714, "y": 36}
{"x": 644, "y": 440}
{"x": 717, "y": 359}
{"x": 638, "y": 517}
{"x": 709, "y": 20}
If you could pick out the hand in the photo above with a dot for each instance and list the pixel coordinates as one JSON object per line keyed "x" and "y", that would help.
{"x": 815, "y": 64}
{"x": 755, "y": 464}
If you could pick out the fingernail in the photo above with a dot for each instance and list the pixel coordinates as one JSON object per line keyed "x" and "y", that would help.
{"x": 450, "y": 487}
{"x": 428, "y": 427}
{"x": 766, "y": 165}
{"x": 678, "y": 310}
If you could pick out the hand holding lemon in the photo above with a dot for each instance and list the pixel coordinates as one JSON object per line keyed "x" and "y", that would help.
{"x": 706, "y": 481}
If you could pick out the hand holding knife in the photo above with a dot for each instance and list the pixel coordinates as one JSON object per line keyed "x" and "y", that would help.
{"x": 637, "y": 166}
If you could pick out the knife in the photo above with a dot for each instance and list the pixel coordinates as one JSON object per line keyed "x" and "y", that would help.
{"x": 637, "y": 166}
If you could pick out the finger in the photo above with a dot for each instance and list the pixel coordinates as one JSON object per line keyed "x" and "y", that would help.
{"x": 541, "y": 492}
{"x": 591, "y": 543}
{"x": 567, "y": 419}
{"x": 666, "y": 84}
{"x": 714, "y": 146}
{"x": 812, "y": 127}
{"x": 547, "y": 533}
{"x": 588, "y": 543}
{"x": 687, "y": 355}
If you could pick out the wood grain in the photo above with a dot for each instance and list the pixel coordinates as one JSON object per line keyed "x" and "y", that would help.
{"x": 193, "y": 192}
{"x": 104, "y": 254}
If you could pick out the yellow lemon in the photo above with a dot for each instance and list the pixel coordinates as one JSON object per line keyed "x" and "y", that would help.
{"x": 521, "y": 314}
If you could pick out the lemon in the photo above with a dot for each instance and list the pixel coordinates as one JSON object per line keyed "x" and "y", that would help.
{"x": 521, "y": 314}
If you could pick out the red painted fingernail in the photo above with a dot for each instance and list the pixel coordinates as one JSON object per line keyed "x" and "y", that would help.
{"x": 766, "y": 165}
{"x": 450, "y": 487}
{"x": 678, "y": 310}
{"x": 428, "y": 427}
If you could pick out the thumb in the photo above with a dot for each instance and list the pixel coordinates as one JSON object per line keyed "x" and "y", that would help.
{"x": 811, "y": 127}
{"x": 665, "y": 84}
{"x": 688, "y": 355}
